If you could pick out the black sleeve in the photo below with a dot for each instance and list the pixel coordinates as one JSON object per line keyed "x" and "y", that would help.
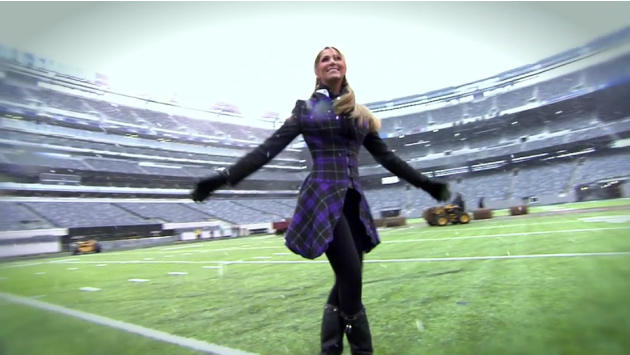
{"x": 262, "y": 154}
{"x": 379, "y": 150}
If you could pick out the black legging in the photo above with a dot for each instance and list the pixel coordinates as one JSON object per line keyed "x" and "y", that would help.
{"x": 345, "y": 254}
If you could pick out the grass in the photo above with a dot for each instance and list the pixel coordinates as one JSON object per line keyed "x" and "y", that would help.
{"x": 552, "y": 305}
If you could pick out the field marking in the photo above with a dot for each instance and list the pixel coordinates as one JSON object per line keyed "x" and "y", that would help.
{"x": 181, "y": 247}
{"x": 375, "y": 261}
{"x": 206, "y": 250}
{"x": 127, "y": 327}
{"x": 495, "y": 257}
{"x": 103, "y": 263}
{"x": 503, "y": 235}
{"x": 427, "y": 229}
{"x": 11, "y": 266}
{"x": 219, "y": 268}
{"x": 89, "y": 289}
{"x": 249, "y": 239}
{"x": 608, "y": 219}
{"x": 138, "y": 280}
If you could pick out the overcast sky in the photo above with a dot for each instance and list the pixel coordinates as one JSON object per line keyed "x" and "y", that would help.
{"x": 259, "y": 55}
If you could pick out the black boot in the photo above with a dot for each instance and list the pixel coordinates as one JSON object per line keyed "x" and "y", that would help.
{"x": 358, "y": 332}
{"x": 332, "y": 331}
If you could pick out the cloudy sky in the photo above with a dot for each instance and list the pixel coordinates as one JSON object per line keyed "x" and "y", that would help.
{"x": 259, "y": 55}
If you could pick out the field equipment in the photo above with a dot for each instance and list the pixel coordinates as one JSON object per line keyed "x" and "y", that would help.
{"x": 281, "y": 226}
{"x": 442, "y": 215}
{"x": 482, "y": 213}
{"x": 518, "y": 210}
{"x": 391, "y": 221}
{"x": 85, "y": 246}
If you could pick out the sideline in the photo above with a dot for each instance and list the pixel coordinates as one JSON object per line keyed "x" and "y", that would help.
{"x": 127, "y": 327}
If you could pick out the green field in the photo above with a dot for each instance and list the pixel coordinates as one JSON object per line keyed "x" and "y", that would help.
{"x": 422, "y": 292}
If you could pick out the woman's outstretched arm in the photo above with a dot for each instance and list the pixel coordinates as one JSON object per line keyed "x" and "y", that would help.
{"x": 251, "y": 162}
{"x": 379, "y": 150}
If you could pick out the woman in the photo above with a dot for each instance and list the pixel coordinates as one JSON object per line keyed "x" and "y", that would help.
{"x": 332, "y": 215}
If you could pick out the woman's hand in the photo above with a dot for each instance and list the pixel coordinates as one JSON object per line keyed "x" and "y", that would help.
{"x": 205, "y": 187}
{"x": 437, "y": 190}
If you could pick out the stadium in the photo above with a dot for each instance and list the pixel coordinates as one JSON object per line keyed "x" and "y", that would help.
{"x": 82, "y": 161}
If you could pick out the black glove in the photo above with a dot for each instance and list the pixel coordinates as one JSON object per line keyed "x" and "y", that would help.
{"x": 437, "y": 190}
{"x": 206, "y": 186}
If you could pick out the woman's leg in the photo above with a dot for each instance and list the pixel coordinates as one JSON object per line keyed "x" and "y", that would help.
{"x": 346, "y": 262}
{"x": 356, "y": 230}
{"x": 345, "y": 254}
{"x": 347, "y": 267}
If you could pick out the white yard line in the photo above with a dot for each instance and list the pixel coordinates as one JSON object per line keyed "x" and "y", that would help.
{"x": 206, "y": 250}
{"x": 10, "y": 266}
{"x": 127, "y": 327}
{"x": 244, "y": 240}
{"x": 501, "y": 225}
{"x": 494, "y": 257}
{"x": 376, "y": 261}
{"x": 503, "y": 235}
{"x": 437, "y": 230}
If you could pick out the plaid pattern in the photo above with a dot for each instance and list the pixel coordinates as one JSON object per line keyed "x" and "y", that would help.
{"x": 334, "y": 142}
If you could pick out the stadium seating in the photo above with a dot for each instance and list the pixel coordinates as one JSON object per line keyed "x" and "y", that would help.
{"x": 48, "y": 130}
{"x": 515, "y": 98}
{"x": 15, "y": 217}
{"x": 236, "y": 213}
{"x": 165, "y": 212}
{"x": 479, "y": 108}
{"x": 561, "y": 86}
{"x": 603, "y": 167}
{"x": 541, "y": 180}
{"x": 85, "y": 214}
{"x": 278, "y": 207}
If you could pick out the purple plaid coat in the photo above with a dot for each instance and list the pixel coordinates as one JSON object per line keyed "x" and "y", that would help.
{"x": 334, "y": 142}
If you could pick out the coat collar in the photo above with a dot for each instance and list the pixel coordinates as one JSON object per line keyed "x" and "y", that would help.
{"x": 323, "y": 90}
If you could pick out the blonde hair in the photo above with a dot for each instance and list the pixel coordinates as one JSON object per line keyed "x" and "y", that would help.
{"x": 346, "y": 103}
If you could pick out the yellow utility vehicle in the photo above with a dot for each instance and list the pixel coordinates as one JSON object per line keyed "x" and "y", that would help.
{"x": 85, "y": 246}
{"x": 443, "y": 215}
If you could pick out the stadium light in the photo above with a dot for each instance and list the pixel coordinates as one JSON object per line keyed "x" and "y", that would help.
{"x": 390, "y": 180}
{"x": 519, "y": 159}
{"x": 488, "y": 165}
{"x": 452, "y": 171}
{"x": 585, "y": 151}
{"x": 416, "y": 143}
{"x": 620, "y": 143}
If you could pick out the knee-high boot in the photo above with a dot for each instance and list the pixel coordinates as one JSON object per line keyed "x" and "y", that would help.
{"x": 358, "y": 332}
{"x": 332, "y": 331}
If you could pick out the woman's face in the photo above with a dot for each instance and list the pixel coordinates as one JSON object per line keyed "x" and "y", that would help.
{"x": 331, "y": 67}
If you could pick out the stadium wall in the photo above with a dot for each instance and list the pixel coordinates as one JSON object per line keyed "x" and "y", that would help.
{"x": 137, "y": 243}
{"x": 43, "y": 244}
{"x": 31, "y": 242}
